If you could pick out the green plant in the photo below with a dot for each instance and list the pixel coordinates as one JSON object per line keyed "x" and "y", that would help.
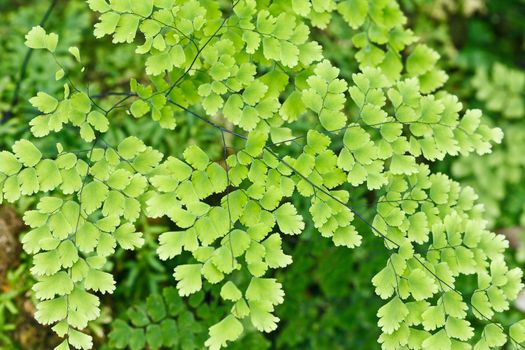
{"x": 488, "y": 74}
{"x": 163, "y": 321}
{"x": 17, "y": 280}
{"x": 248, "y": 71}
{"x": 502, "y": 90}
{"x": 498, "y": 176}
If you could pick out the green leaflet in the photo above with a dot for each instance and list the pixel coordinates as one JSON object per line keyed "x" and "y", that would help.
{"x": 391, "y": 315}
{"x": 288, "y": 220}
{"x": 9, "y": 165}
{"x": 229, "y": 291}
{"x": 27, "y": 153}
{"x": 79, "y": 340}
{"x": 228, "y": 329}
{"x": 128, "y": 238}
{"x": 196, "y": 157}
{"x": 99, "y": 281}
{"x": 189, "y": 278}
{"x": 421, "y": 60}
{"x": 261, "y": 315}
{"x": 94, "y": 194}
{"x": 139, "y": 108}
{"x": 37, "y": 38}
{"x": 265, "y": 289}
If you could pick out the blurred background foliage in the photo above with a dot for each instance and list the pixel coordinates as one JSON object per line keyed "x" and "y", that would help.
{"x": 330, "y": 302}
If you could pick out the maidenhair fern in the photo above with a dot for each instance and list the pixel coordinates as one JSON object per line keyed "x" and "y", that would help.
{"x": 502, "y": 91}
{"x": 163, "y": 321}
{"x": 248, "y": 69}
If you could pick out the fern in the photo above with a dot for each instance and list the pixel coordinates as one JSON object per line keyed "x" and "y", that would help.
{"x": 157, "y": 323}
{"x": 501, "y": 90}
{"x": 248, "y": 70}
{"x": 497, "y": 175}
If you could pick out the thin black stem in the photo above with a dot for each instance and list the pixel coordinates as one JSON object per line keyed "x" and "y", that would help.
{"x": 113, "y": 93}
{"x": 225, "y": 154}
{"x": 23, "y": 69}
{"x": 206, "y": 120}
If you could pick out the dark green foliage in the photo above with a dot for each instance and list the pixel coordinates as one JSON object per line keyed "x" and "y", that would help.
{"x": 163, "y": 321}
